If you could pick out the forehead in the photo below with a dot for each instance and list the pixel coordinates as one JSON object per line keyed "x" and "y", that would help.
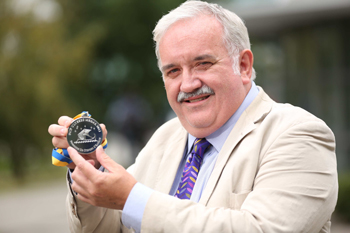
{"x": 203, "y": 34}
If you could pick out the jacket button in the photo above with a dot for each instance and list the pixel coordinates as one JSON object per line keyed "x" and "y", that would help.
{"x": 73, "y": 209}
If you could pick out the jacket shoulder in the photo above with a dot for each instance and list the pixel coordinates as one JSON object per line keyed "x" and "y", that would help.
{"x": 292, "y": 114}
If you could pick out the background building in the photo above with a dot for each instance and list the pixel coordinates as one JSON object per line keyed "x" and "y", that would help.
{"x": 302, "y": 56}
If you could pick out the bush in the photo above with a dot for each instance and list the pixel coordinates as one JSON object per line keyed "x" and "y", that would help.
{"x": 343, "y": 205}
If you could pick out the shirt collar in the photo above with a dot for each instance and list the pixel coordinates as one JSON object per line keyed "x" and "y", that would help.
{"x": 218, "y": 138}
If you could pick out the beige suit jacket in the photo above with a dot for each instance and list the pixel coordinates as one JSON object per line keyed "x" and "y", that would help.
{"x": 275, "y": 173}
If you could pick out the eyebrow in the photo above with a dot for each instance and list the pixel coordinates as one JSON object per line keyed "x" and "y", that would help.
{"x": 166, "y": 67}
{"x": 203, "y": 57}
{"x": 198, "y": 58}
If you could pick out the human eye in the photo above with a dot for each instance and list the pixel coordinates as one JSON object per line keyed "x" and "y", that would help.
{"x": 204, "y": 65}
{"x": 173, "y": 72}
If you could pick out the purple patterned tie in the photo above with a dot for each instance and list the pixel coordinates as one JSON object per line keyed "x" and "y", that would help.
{"x": 190, "y": 173}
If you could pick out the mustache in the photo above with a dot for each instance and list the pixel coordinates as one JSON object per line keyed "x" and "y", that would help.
{"x": 203, "y": 90}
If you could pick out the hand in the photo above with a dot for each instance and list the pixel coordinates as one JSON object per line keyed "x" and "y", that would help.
{"x": 59, "y": 139}
{"x": 97, "y": 188}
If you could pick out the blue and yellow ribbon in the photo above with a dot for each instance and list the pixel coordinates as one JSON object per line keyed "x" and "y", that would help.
{"x": 60, "y": 156}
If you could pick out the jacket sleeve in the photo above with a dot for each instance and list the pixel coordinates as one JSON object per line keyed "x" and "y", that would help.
{"x": 295, "y": 190}
{"x": 86, "y": 218}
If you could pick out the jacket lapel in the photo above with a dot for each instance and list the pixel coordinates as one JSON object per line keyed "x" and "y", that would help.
{"x": 256, "y": 111}
{"x": 170, "y": 161}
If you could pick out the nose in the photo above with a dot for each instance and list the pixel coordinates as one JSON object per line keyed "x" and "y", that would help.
{"x": 189, "y": 82}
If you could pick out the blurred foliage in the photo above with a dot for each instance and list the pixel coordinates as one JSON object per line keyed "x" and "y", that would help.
{"x": 79, "y": 57}
{"x": 343, "y": 204}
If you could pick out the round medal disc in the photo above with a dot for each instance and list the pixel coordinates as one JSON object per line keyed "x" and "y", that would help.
{"x": 84, "y": 135}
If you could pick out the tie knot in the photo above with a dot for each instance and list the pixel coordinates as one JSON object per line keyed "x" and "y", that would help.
{"x": 199, "y": 146}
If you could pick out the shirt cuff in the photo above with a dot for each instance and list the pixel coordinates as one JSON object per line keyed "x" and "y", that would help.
{"x": 135, "y": 206}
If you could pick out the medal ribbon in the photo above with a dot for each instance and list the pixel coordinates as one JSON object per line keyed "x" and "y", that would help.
{"x": 60, "y": 156}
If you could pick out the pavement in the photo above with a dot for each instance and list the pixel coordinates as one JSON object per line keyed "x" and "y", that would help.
{"x": 339, "y": 226}
{"x": 41, "y": 209}
{"x": 35, "y": 209}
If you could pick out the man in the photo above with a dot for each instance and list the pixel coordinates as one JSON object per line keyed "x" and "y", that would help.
{"x": 266, "y": 167}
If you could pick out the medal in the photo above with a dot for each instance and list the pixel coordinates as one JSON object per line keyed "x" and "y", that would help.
{"x": 84, "y": 135}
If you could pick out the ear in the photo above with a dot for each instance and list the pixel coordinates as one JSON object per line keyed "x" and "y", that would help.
{"x": 246, "y": 65}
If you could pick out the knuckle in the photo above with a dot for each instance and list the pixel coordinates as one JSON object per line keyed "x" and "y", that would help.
{"x": 80, "y": 165}
{"x": 50, "y": 128}
{"x": 63, "y": 119}
{"x": 104, "y": 129}
{"x": 95, "y": 192}
{"x": 98, "y": 182}
{"x": 59, "y": 142}
{"x": 54, "y": 142}
{"x": 74, "y": 176}
{"x": 73, "y": 185}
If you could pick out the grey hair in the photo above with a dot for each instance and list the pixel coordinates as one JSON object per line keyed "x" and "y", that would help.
{"x": 235, "y": 36}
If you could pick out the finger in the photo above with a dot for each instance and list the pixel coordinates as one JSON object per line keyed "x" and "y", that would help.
{"x": 80, "y": 181}
{"x": 84, "y": 198}
{"x": 106, "y": 161}
{"x": 104, "y": 131}
{"x": 65, "y": 121}
{"x": 85, "y": 167}
{"x": 79, "y": 189}
{"x": 92, "y": 162}
{"x": 60, "y": 142}
{"x": 57, "y": 130}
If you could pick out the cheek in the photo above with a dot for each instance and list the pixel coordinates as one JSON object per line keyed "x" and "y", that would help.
{"x": 171, "y": 92}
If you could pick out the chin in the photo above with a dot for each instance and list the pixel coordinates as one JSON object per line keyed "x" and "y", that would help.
{"x": 202, "y": 122}
{"x": 199, "y": 129}
{"x": 200, "y": 132}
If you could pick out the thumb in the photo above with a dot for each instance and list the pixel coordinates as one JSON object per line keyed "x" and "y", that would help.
{"x": 105, "y": 160}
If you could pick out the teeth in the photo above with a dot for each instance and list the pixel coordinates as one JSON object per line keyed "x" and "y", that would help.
{"x": 196, "y": 100}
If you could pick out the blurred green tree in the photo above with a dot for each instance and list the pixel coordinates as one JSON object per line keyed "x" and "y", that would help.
{"x": 59, "y": 57}
{"x": 38, "y": 60}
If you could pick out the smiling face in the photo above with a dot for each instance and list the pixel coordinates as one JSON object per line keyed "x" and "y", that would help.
{"x": 193, "y": 56}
